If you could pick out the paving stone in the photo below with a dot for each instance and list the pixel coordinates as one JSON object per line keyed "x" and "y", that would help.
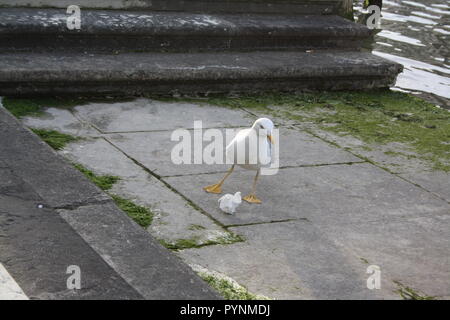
{"x": 437, "y": 182}
{"x": 150, "y": 115}
{"x": 151, "y": 269}
{"x": 153, "y": 149}
{"x": 60, "y": 185}
{"x": 102, "y": 158}
{"x": 413, "y": 251}
{"x": 332, "y": 194}
{"x": 385, "y": 156}
{"x": 292, "y": 260}
{"x": 61, "y": 120}
{"x": 174, "y": 218}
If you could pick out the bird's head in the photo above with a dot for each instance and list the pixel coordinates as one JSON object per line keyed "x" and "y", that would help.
{"x": 264, "y": 126}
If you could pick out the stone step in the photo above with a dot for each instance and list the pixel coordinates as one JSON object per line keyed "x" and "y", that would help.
{"x": 200, "y": 6}
{"x": 191, "y": 73}
{"x": 112, "y": 31}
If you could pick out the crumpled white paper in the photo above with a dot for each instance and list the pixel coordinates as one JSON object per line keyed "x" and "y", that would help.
{"x": 228, "y": 203}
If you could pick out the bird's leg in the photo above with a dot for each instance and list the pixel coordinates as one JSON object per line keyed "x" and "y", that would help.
{"x": 216, "y": 188}
{"x": 251, "y": 198}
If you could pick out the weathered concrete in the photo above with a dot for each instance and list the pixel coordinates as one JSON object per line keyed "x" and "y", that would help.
{"x": 38, "y": 246}
{"x": 245, "y": 6}
{"x": 40, "y": 177}
{"x": 133, "y": 254}
{"x": 61, "y": 120}
{"x": 333, "y": 194}
{"x": 395, "y": 156}
{"x": 153, "y": 149}
{"x": 150, "y": 115}
{"x": 404, "y": 162}
{"x": 38, "y": 30}
{"x": 171, "y": 73}
{"x": 9, "y": 289}
{"x": 175, "y": 219}
{"x": 435, "y": 181}
{"x": 289, "y": 260}
{"x": 321, "y": 223}
{"x": 299, "y": 260}
{"x": 414, "y": 251}
{"x": 51, "y": 177}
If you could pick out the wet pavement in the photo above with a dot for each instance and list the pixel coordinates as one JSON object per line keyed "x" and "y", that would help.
{"x": 417, "y": 36}
{"x": 326, "y": 216}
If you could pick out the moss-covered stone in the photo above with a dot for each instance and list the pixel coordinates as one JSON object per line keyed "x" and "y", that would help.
{"x": 194, "y": 242}
{"x": 141, "y": 215}
{"x": 375, "y": 117}
{"x": 408, "y": 293}
{"x": 21, "y": 107}
{"x": 55, "y": 139}
{"x": 226, "y": 286}
{"x": 105, "y": 182}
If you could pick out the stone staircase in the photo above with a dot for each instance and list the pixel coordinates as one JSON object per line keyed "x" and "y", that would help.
{"x": 188, "y": 47}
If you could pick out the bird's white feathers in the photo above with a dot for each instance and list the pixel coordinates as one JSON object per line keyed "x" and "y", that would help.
{"x": 228, "y": 203}
{"x": 251, "y": 147}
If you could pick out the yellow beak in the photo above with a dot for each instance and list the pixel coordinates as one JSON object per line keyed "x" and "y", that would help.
{"x": 269, "y": 137}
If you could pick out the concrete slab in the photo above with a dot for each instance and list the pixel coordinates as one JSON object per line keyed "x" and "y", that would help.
{"x": 398, "y": 158}
{"x": 154, "y": 272}
{"x": 331, "y": 194}
{"x": 9, "y": 289}
{"x": 37, "y": 246}
{"x": 292, "y": 260}
{"x": 151, "y": 115}
{"x": 395, "y": 156}
{"x": 153, "y": 150}
{"x": 296, "y": 148}
{"x": 61, "y": 120}
{"x": 102, "y": 158}
{"x": 167, "y": 73}
{"x": 437, "y": 182}
{"x": 174, "y": 219}
{"x": 56, "y": 181}
{"x": 413, "y": 251}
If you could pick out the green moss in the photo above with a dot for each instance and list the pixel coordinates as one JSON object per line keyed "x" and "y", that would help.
{"x": 180, "y": 244}
{"x": 408, "y": 293}
{"x": 195, "y": 242}
{"x": 364, "y": 260}
{"x": 20, "y": 107}
{"x": 193, "y": 227}
{"x": 55, "y": 139}
{"x": 103, "y": 182}
{"x": 377, "y": 117}
{"x": 228, "y": 289}
{"x": 141, "y": 215}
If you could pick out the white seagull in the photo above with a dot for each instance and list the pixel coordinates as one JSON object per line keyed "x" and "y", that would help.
{"x": 250, "y": 149}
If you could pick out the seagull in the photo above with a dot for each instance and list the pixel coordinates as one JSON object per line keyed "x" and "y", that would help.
{"x": 248, "y": 153}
